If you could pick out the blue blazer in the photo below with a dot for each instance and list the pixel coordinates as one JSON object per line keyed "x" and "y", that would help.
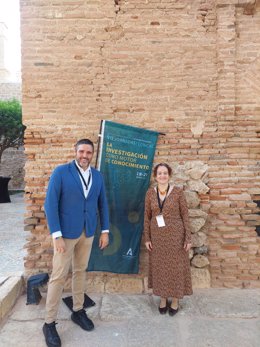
{"x": 66, "y": 207}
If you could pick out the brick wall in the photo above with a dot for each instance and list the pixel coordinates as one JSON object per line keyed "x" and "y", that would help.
{"x": 179, "y": 67}
{"x": 234, "y": 176}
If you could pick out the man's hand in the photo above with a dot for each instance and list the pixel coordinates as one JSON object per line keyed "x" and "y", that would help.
{"x": 103, "y": 240}
{"x": 59, "y": 245}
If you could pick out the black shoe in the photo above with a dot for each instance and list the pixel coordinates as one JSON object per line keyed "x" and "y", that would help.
{"x": 51, "y": 336}
{"x": 173, "y": 311}
{"x": 80, "y": 317}
{"x": 163, "y": 310}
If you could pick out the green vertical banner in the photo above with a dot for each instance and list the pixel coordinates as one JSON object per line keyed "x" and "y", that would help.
{"x": 125, "y": 160}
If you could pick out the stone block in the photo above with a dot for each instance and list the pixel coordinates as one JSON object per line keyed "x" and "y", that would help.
{"x": 200, "y": 278}
{"x": 197, "y": 173}
{"x": 191, "y": 253}
{"x": 197, "y": 213}
{"x": 196, "y": 224}
{"x": 199, "y": 239}
{"x": 95, "y": 284}
{"x": 254, "y": 190}
{"x": 192, "y": 198}
{"x": 243, "y": 197}
{"x": 201, "y": 250}
{"x": 10, "y": 290}
{"x": 124, "y": 285}
{"x": 200, "y": 261}
{"x": 198, "y": 186}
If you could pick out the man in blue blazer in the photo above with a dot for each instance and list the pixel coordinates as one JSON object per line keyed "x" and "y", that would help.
{"x": 75, "y": 196}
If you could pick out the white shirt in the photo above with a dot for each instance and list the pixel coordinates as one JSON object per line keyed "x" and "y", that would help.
{"x": 86, "y": 175}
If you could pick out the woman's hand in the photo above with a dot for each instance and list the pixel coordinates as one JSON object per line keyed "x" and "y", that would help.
{"x": 148, "y": 245}
{"x": 187, "y": 246}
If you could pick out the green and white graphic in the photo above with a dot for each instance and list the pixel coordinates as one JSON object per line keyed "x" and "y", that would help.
{"x": 125, "y": 160}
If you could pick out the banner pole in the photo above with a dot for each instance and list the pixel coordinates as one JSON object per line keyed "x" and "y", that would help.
{"x": 99, "y": 140}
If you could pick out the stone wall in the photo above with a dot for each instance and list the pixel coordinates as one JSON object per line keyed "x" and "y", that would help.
{"x": 12, "y": 165}
{"x": 188, "y": 69}
{"x": 10, "y": 90}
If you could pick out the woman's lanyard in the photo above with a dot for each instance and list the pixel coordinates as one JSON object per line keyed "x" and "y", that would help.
{"x": 161, "y": 204}
{"x": 83, "y": 179}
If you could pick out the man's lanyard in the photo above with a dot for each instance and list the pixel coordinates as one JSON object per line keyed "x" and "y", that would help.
{"x": 161, "y": 204}
{"x": 83, "y": 179}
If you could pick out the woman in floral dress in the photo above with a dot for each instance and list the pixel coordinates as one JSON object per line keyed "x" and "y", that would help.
{"x": 168, "y": 240}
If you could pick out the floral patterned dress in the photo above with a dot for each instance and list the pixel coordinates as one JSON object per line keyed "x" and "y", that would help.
{"x": 169, "y": 265}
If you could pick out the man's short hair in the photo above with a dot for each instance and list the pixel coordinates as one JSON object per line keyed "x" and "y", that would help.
{"x": 84, "y": 142}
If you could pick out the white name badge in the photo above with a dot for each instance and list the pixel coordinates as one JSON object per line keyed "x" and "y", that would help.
{"x": 160, "y": 221}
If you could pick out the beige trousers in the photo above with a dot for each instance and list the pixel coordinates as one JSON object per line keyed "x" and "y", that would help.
{"x": 77, "y": 252}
